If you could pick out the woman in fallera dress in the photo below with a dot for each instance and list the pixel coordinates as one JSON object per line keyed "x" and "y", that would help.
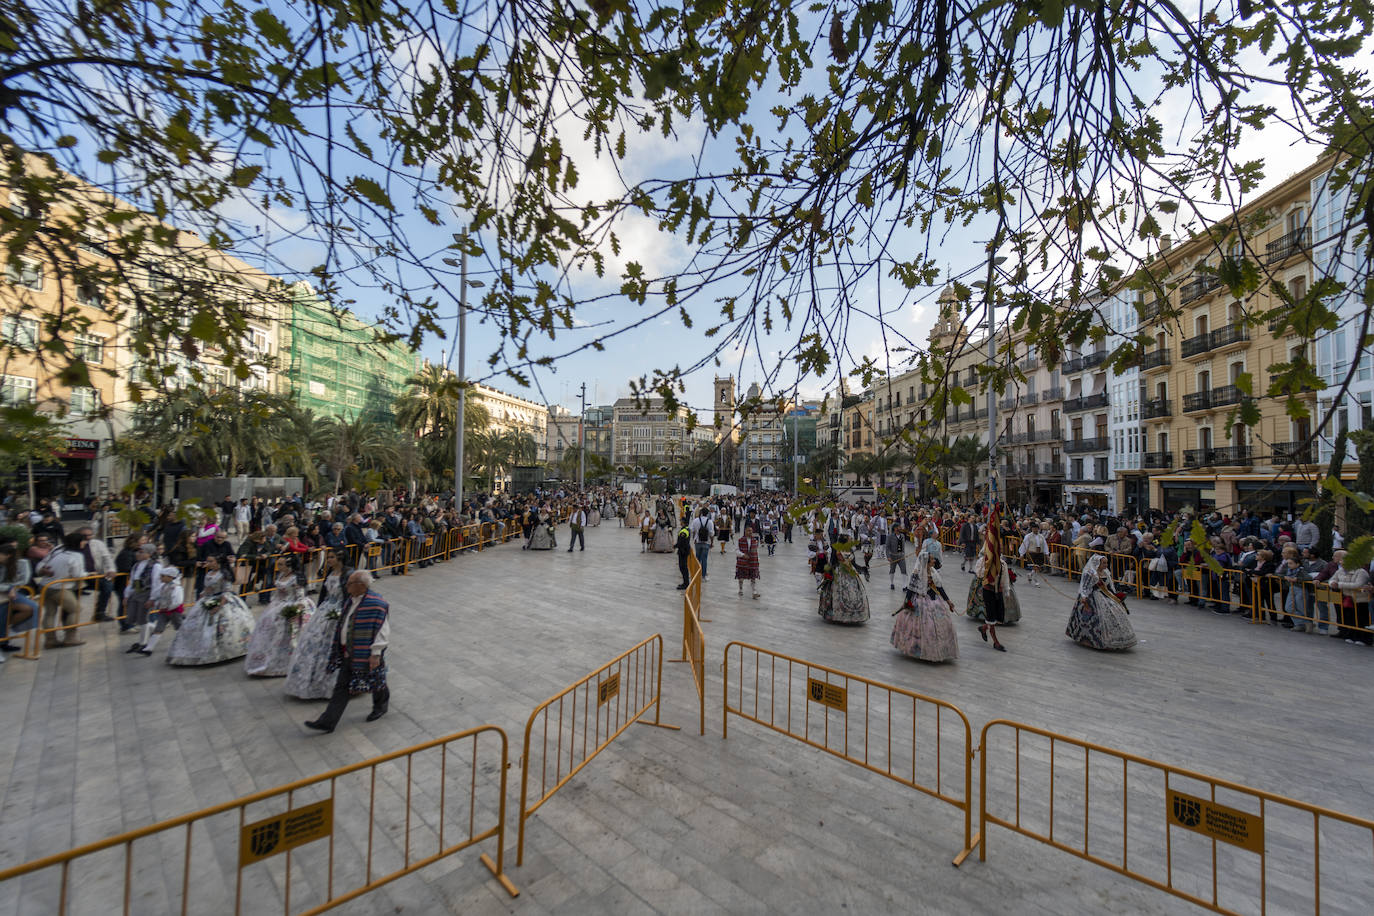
{"x": 665, "y": 538}
{"x": 992, "y": 583}
{"x": 1099, "y": 619}
{"x": 747, "y": 562}
{"x": 269, "y": 650}
{"x": 308, "y": 676}
{"x": 218, "y": 627}
{"x": 924, "y": 627}
{"x": 1011, "y": 607}
{"x": 543, "y": 538}
{"x": 843, "y": 598}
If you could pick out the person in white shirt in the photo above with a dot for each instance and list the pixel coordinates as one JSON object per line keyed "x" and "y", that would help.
{"x": 243, "y": 516}
{"x": 1034, "y": 547}
{"x": 577, "y": 523}
{"x": 67, "y": 562}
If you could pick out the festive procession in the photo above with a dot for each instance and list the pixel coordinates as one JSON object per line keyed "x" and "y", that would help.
{"x": 268, "y": 585}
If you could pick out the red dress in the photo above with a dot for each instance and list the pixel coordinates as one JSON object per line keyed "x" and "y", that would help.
{"x": 747, "y": 563}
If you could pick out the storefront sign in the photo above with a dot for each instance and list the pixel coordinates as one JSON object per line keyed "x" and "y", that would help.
{"x": 82, "y": 448}
{"x": 265, "y": 838}
{"x": 1230, "y": 825}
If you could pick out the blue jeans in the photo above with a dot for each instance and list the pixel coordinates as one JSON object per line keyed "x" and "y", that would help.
{"x": 20, "y": 600}
{"x": 703, "y": 549}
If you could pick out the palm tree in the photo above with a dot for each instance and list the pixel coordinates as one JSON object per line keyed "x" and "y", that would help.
{"x": 429, "y": 406}
{"x": 350, "y": 444}
{"x": 966, "y": 453}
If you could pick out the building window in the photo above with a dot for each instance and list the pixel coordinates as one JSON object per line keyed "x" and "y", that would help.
{"x": 256, "y": 340}
{"x": 16, "y": 389}
{"x": 1078, "y": 469}
{"x": 21, "y": 332}
{"x": 85, "y": 401}
{"x": 89, "y": 347}
{"x": 26, "y": 272}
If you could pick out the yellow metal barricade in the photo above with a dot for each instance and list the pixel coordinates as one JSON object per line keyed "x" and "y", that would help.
{"x": 301, "y": 848}
{"x": 1161, "y": 825}
{"x": 813, "y": 704}
{"x": 694, "y": 637}
{"x": 34, "y": 637}
{"x": 584, "y": 718}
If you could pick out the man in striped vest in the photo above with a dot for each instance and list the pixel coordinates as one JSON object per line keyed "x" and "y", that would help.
{"x": 360, "y": 642}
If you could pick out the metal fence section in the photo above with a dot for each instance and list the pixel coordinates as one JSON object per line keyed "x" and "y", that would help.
{"x": 578, "y": 722}
{"x": 301, "y": 848}
{"x": 885, "y": 729}
{"x": 694, "y": 637}
{"x": 1226, "y": 847}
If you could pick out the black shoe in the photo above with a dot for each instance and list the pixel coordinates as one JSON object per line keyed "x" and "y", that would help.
{"x": 682, "y": 587}
{"x": 1222, "y": 612}
{"x": 319, "y": 726}
{"x": 569, "y": 550}
{"x": 999, "y": 647}
{"x": 8, "y": 646}
{"x": 136, "y": 647}
{"x": 376, "y": 714}
{"x": 102, "y": 618}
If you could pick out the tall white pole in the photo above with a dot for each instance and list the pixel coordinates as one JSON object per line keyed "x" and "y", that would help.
{"x": 462, "y": 382}
{"x": 795, "y": 449}
{"x": 992, "y": 406}
{"x": 582, "y": 442}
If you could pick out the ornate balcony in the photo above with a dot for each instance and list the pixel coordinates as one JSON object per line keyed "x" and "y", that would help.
{"x": 1235, "y": 455}
{"x": 1196, "y": 346}
{"x": 1201, "y": 400}
{"x": 1095, "y": 444}
{"x": 1087, "y": 402}
{"x": 1155, "y": 461}
{"x": 1196, "y": 288}
{"x": 1226, "y": 395}
{"x": 1290, "y": 453}
{"x": 1154, "y": 359}
{"x": 1053, "y": 434}
{"x": 1095, "y": 358}
{"x": 1287, "y": 245}
{"x": 1151, "y": 310}
{"x": 1156, "y": 408}
{"x": 1050, "y": 469}
{"x": 1052, "y": 394}
{"x": 1233, "y": 333}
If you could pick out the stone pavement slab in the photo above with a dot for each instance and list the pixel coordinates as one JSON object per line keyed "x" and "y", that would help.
{"x": 98, "y": 742}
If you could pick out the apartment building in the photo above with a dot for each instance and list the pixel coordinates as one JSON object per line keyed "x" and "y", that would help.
{"x": 47, "y": 287}
{"x": 1219, "y": 351}
{"x": 647, "y": 437}
{"x": 765, "y": 461}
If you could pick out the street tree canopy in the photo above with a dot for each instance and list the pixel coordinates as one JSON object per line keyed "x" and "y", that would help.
{"x": 842, "y": 142}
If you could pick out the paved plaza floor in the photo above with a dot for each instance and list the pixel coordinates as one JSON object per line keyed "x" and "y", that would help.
{"x": 94, "y": 742}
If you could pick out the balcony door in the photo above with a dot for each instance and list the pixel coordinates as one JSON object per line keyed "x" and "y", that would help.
{"x": 1204, "y": 381}
{"x": 1204, "y": 438}
{"x": 1200, "y": 325}
{"x": 1161, "y": 391}
{"x": 1163, "y": 443}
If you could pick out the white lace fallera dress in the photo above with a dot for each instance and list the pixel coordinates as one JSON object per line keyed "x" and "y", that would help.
{"x": 216, "y": 629}
{"x": 1099, "y": 620}
{"x": 269, "y": 651}
{"x": 307, "y": 676}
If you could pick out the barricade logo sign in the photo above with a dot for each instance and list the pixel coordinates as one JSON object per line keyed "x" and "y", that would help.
{"x": 265, "y": 838}
{"x": 831, "y": 695}
{"x": 607, "y": 688}
{"x": 1229, "y": 825}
